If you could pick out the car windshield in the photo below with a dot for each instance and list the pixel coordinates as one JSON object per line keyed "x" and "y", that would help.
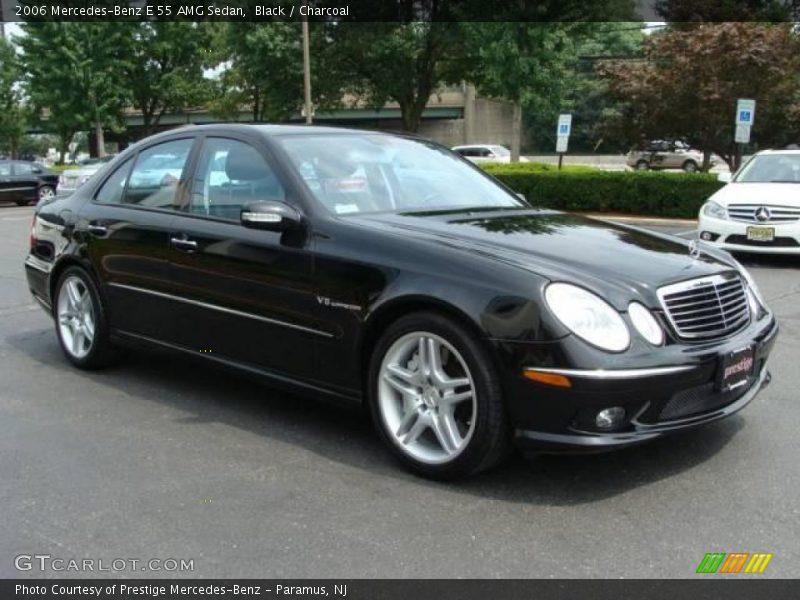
{"x": 371, "y": 173}
{"x": 771, "y": 168}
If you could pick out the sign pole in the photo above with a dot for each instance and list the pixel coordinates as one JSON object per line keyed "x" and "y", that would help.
{"x": 562, "y": 136}
{"x": 745, "y": 117}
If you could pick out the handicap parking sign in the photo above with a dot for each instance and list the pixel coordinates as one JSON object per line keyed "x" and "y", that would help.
{"x": 563, "y": 129}
{"x": 745, "y": 111}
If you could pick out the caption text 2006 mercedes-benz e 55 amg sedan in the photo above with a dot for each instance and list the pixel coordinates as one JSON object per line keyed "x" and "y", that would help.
{"x": 388, "y": 271}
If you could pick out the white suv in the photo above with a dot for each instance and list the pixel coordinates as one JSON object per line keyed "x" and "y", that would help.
{"x": 759, "y": 210}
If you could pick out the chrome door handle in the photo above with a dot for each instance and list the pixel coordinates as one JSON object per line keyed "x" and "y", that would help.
{"x": 97, "y": 229}
{"x": 183, "y": 244}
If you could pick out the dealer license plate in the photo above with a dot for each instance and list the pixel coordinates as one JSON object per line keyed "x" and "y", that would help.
{"x": 761, "y": 234}
{"x": 735, "y": 368}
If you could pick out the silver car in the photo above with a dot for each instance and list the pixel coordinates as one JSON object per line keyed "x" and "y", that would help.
{"x": 71, "y": 179}
{"x": 667, "y": 154}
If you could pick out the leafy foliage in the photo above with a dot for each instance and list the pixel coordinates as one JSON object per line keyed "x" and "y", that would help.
{"x": 688, "y": 85}
{"x": 13, "y": 115}
{"x": 76, "y": 74}
{"x": 167, "y": 67}
{"x": 648, "y": 193}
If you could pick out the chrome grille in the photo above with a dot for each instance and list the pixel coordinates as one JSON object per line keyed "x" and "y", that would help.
{"x": 770, "y": 213}
{"x": 707, "y": 307}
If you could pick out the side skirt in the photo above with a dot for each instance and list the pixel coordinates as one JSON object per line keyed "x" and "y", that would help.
{"x": 126, "y": 338}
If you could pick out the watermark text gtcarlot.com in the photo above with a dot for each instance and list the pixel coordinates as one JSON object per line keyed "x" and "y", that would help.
{"x": 47, "y": 562}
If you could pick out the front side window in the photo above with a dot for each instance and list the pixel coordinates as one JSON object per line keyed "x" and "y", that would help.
{"x": 21, "y": 168}
{"x": 351, "y": 173}
{"x": 230, "y": 175}
{"x": 154, "y": 179}
{"x": 111, "y": 192}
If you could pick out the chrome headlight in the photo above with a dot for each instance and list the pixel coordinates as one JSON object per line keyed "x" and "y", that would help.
{"x": 588, "y": 316}
{"x": 646, "y": 324}
{"x": 715, "y": 210}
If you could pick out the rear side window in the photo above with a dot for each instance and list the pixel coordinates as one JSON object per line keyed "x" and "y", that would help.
{"x": 112, "y": 190}
{"x": 154, "y": 179}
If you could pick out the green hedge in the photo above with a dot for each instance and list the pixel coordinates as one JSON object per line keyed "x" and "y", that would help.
{"x": 627, "y": 192}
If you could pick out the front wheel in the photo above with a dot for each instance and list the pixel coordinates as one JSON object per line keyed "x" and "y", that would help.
{"x": 690, "y": 166}
{"x": 435, "y": 398}
{"x": 642, "y": 165}
{"x": 81, "y": 321}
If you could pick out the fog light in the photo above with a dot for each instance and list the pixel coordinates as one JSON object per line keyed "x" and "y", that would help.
{"x": 610, "y": 418}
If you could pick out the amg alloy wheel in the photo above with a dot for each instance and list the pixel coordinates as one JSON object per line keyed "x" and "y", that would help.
{"x": 426, "y": 397}
{"x": 436, "y": 399}
{"x": 80, "y": 321}
{"x": 75, "y": 314}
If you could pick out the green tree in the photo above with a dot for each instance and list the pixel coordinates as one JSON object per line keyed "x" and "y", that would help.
{"x": 400, "y": 62}
{"x": 263, "y": 70}
{"x": 166, "y": 68}
{"x": 13, "y": 115}
{"x": 77, "y": 75}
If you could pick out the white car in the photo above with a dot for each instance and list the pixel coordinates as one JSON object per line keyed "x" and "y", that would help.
{"x": 759, "y": 210}
{"x": 479, "y": 153}
{"x": 71, "y": 179}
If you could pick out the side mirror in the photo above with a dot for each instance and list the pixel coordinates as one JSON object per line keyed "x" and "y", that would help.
{"x": 724, "y": 177}
{"x": 270, "y": 215}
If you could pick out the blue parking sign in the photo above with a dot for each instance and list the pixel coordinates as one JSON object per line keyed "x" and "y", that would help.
{"x": 745, "y": 111}
{"x": 744, "y": 116}
{"x": 563, "y": 129}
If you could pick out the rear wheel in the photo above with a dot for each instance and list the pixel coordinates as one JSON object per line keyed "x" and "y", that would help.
{"x": 81, "y": 321}
{"x": 642, "y": 165}
{"x": 435, "y": 398}
{"x": 690, "y": 166}
{"x": 46, "y": 194}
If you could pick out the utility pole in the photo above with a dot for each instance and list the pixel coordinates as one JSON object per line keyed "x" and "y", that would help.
{"x": 307, "y": 72}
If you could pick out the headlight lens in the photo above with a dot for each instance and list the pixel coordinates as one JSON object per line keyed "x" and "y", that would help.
{"x": 588, "y": 317}
{"x": 712, "y": 209}
{"x": 754, "y": 293}
{"x": 646, "y": 324}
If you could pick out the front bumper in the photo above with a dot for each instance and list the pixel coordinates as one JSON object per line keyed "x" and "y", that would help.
{"x": 657, "y": 400}
{"x": 732, "y": 236}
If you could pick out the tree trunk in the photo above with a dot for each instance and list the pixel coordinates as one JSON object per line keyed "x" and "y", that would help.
{"x": 411, "y": 115}
{"x": 706, "y": 161}
{"x": 100, "y": 139}
{"x": 516, "y": 132}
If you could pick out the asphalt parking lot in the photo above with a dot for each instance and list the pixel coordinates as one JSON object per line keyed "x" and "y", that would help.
{"x": 162, "y": 457}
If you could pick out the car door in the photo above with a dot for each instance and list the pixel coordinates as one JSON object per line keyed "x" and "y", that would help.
{"x": 126, "y": 227}
{"x": 6, "y": 185}
{"x": 25, "y": 180}
{"x": 247, "y": 294}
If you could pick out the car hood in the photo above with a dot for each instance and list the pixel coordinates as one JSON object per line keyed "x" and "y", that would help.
{"x": 617, "y": 261}
{"x": 784, "y": 194}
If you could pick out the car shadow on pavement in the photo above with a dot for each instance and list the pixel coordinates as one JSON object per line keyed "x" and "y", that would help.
{"x": 216, "y": 395}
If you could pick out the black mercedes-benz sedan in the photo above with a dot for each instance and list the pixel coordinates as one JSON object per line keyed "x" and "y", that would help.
{"x": 389, "y": 272}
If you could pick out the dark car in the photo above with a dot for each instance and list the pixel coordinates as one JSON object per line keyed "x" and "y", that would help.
{"x": 387, "y": 271}
{"x": 25, "y": 182}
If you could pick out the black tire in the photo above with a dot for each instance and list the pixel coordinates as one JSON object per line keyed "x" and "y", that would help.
{"x": 690, "y": 167}
{"x": 642, "y": 165}
{"x": 101, "y": 352}
{"x": 490, "y": 441}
